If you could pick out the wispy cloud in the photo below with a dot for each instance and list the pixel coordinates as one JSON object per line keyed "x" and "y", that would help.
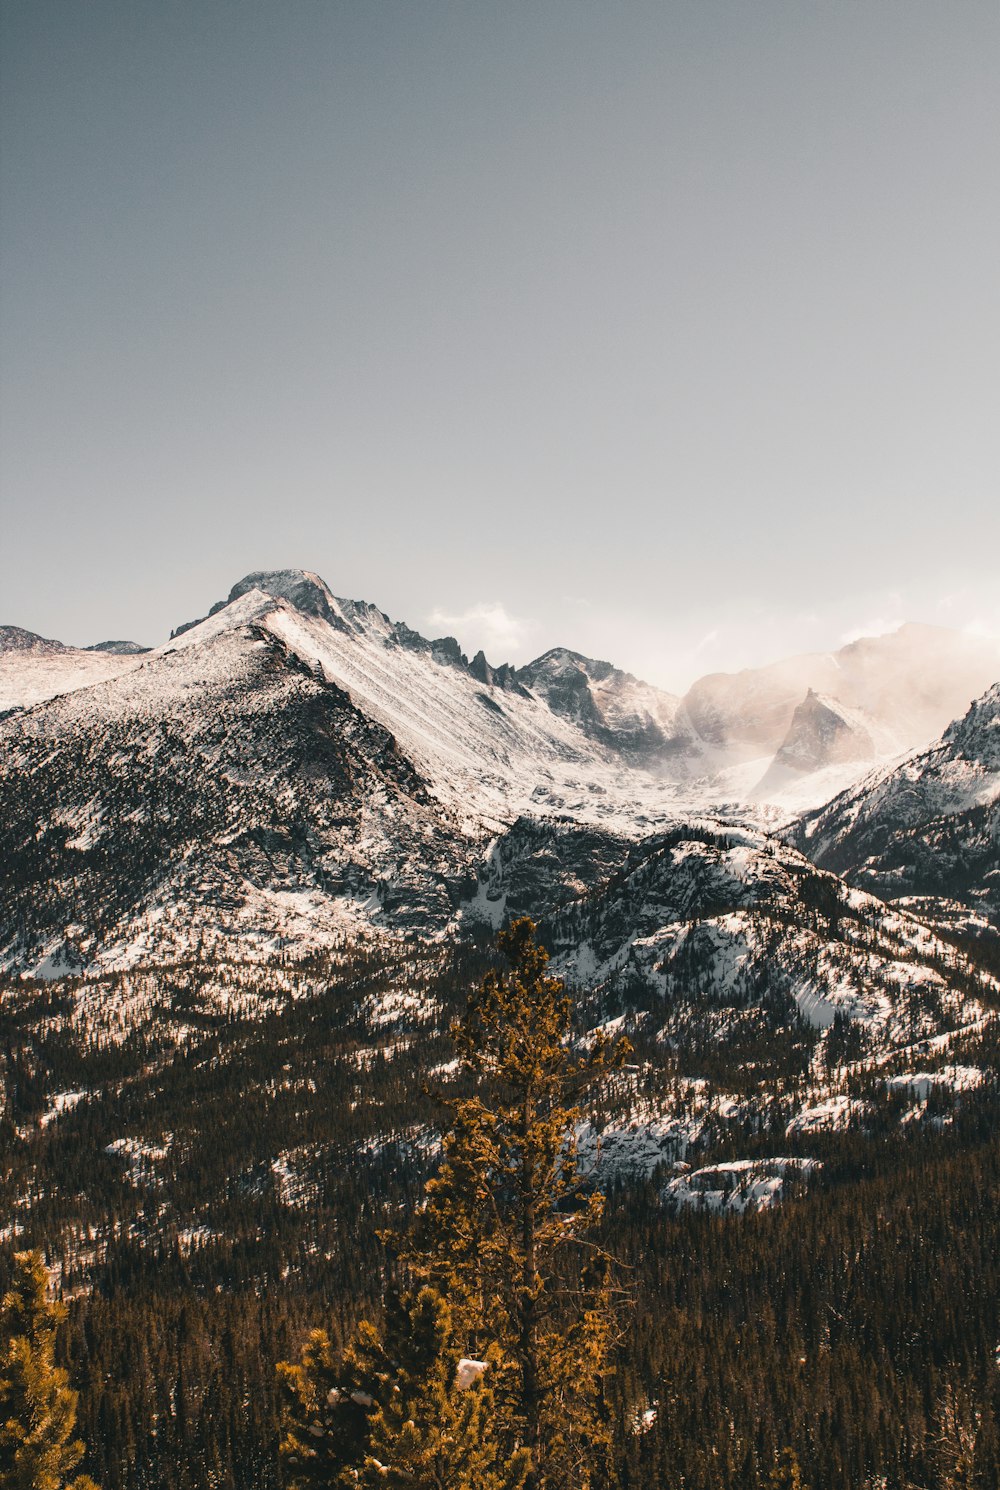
{"x": 710, "y": 639}
{"x": 488, "y": 625}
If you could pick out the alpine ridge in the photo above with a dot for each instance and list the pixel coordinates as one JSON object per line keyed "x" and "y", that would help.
{"x": 294, "y": 767}
{"x": 926, "y": 831}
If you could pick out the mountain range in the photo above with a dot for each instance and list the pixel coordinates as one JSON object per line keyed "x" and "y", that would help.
{"x": 294, "y": 767}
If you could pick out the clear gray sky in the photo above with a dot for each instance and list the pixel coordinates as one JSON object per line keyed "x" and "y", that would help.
{"x": 666, "y": 331}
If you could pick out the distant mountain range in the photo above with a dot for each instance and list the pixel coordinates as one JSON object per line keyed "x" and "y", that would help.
{"x": 294, "y": 767}
{"x": 787, "y": 733}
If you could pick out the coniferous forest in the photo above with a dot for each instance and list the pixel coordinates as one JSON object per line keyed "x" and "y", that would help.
{"x": 222, "y": 1194}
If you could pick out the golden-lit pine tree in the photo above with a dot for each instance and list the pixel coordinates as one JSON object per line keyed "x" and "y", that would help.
{"x": 786, "y": 1474}
{"x": 37, "y": 1407}
{"x": 503, "y": 1234}
{"x": 498, "y": 1264}
{"x": 325, "y": 1418}
{"x": 435, "y": 1422}
{"x": 402, "y": 1411}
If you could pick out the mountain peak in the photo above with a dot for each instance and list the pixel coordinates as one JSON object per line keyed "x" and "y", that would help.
{"x": 977, "y": 735}
{"x": 824, "y": 731}
{"x": 16, "y": 639}
{"x": 119, "y": 648}
{"x": 300, "y": 587}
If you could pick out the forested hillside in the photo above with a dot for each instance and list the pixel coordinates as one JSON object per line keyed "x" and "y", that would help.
{"x": 209, "y": 1185}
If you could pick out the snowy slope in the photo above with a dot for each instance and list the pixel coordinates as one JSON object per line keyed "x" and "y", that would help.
{"x": 721, "y": 924}
{"x": 34, "y": 668}
{"x": 930, "y": 826}
{"x": 219, "y": 794}
{"x": 487, "y": 751}
{"x": 738, "y": 971}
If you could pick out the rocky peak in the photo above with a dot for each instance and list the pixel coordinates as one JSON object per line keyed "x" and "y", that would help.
{"x": 119, "y": 648}
{"x": 977, "y": 735}
{"x": 822, "y": 733}
{"x": 563, "y": 679}
{"x": 16, "y": 639}
{"x": 446, "y": 649}
{"x": 300, "y": 587}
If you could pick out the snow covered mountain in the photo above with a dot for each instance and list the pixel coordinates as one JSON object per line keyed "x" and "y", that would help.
{"x": 725, "y": 936}
{"x": 221, "y": 794}
{"x": 715, "y": 745}
{"x": 930, "y": 827}
{"x": 295, "y": 767}
{"x": 611, "y": 706}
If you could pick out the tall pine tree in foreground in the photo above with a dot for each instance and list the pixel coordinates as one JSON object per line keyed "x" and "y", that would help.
{"x": 37, "y": 1408}
{"x": 505, "y": 1231}
{"x": 503, "y": 1237}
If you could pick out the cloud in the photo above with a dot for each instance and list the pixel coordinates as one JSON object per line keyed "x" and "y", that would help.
{"x": 487, "y": 625}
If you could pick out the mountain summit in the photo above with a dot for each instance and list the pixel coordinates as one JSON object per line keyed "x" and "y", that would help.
{"x": 566, "y": 732}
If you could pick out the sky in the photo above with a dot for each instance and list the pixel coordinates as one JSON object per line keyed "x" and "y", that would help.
{"x": 669, "y": 332}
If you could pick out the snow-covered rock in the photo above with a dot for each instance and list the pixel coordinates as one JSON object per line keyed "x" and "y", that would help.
{"x": 742, "y": 1185}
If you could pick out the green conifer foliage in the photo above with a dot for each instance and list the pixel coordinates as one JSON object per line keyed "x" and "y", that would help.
{"x": 37, "y": 1408}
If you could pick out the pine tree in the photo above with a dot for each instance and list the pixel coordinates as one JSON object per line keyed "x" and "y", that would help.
{"x": 434, "y": 1425}
{"x": 498, "y": 1264}
{"x": 786, "y": 1474}
{"x": 403, "y": 1412}
{"x": 503, "y": 1233}
{"x": 37, "y": 1408}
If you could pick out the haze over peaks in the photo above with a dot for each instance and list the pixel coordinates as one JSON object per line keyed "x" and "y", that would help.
{"x": 791, "y": 733}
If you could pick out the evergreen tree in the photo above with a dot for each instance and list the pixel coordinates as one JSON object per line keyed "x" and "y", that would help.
{"x": 37, "y": 1408}
{"x": 325, "y": 1421}
{"x": 503, "y": 1233}
{"x": 501, "y": 1265}
{"x": 403, "y": 1412}
{"x": 434, "y": 1425}
{"x": 786, "y": 1474}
